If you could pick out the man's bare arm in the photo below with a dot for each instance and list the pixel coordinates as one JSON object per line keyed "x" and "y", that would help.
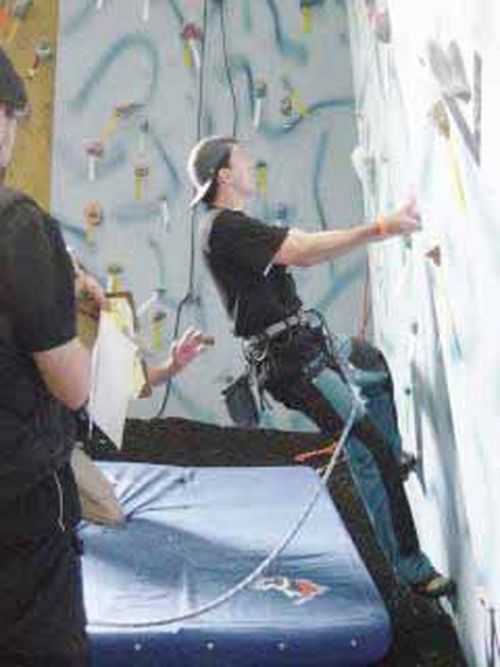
{"x": 308, "y": 248}
{"x": 66, "y": 372}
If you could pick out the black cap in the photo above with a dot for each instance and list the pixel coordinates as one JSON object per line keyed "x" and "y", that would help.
{"x": 12, "y": 89}
{"x": 205, "y": 160}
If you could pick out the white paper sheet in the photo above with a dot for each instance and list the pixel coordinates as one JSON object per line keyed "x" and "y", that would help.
{"x": 112, "y": 378}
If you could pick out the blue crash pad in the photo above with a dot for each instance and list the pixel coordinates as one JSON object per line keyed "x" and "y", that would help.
{"x": 193, "y": 533}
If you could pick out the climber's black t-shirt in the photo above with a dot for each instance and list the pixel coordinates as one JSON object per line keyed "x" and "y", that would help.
{"x": 239, "y": 251}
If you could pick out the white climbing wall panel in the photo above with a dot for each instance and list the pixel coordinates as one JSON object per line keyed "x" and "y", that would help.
{"x": 428, "y": 103}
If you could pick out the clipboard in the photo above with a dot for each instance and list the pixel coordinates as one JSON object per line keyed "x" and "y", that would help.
{"x": 122, "y": 307}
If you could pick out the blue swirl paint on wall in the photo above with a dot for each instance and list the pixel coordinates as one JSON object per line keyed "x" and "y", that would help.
{"x": 273, "y": 130}
{"x": 287, "y": 47}
{"x": 78, "y": 21}
{"x": 131, "y": 42}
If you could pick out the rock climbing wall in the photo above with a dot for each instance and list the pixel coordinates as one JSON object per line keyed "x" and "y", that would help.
{"x": 137, "y": 83}
{"x": 427, "y": 110}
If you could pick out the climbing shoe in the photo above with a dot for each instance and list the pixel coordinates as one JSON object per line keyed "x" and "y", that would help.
{"x": 435, "y": 585}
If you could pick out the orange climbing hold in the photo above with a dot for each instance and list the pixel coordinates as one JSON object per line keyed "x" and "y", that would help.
{"x": 5, "y": 19}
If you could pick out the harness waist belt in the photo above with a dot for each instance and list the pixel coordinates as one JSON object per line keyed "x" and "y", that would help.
{"x": 279, "y": 327}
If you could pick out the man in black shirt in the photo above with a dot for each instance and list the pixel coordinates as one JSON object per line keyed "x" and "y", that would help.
{"x": 44, "y": 377}
{"x": 292, "y": 354}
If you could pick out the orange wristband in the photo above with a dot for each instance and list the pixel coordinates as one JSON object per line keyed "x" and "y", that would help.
{"x": 381, "y": 227}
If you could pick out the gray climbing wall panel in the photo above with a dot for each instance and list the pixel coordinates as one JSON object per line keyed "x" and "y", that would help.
{"x": 128, "y": 104}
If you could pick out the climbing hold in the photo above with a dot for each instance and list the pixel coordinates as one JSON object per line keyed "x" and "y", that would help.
{"x": 21, "y": 8}
{"x": 43, "y": 54}
{"x": 14, "y": 18}
{"x": 95, "y": 151}
{"x": 191, "y": 35}
{"x": 158, "y": 319}
{"x": 306, "y": 11}
{"x": 262, "y": 182}
{"x": 260, "y": 92}
{"x": 141, "y": 175}
{"x": 114, "y": 281}
{"x": 434, "y": 254}
{"x": 93, "y": 215}
{"x": 120, "y": 113}
{"x": 143, "y": 134}
{"x": 298, "y": 103}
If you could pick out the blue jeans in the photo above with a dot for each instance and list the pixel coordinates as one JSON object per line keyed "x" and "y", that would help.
{"x": 374, "y": 444}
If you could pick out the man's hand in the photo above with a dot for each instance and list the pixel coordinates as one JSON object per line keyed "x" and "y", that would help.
{"x": 406, "y": 220}
{"x": 182, "y": 353}
{"x": 90, "y": 295}
{"x": 192, "y": 343}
